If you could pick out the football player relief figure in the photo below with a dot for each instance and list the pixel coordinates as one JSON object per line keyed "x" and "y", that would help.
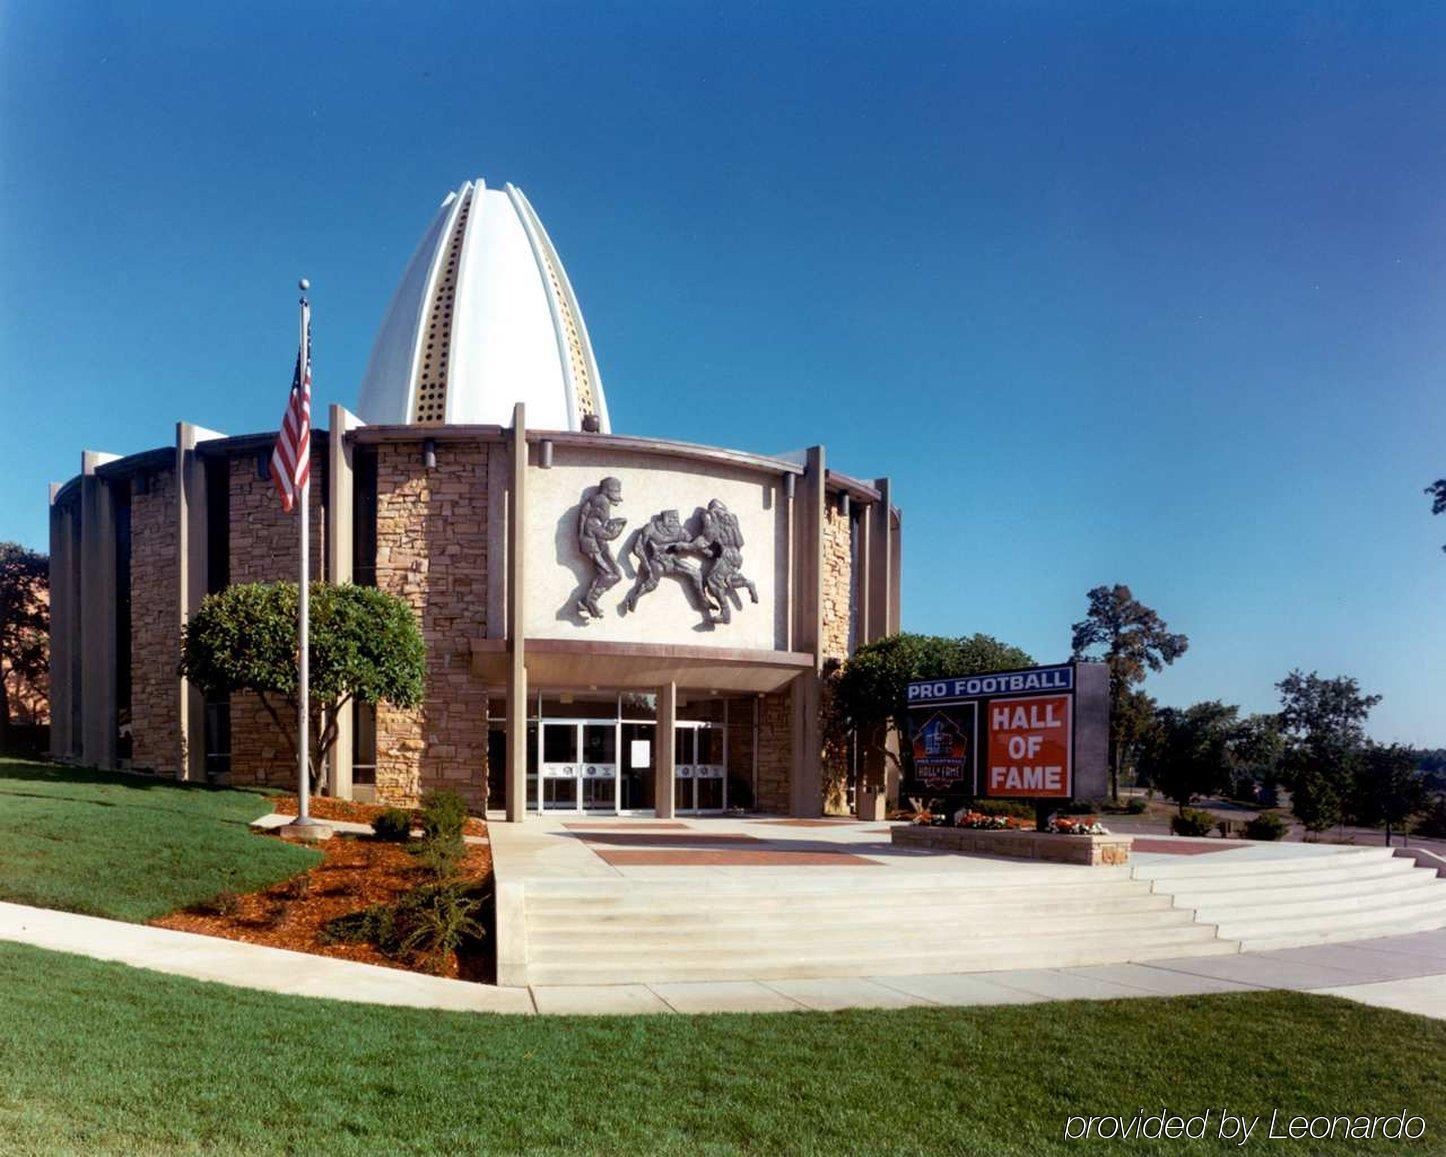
{"x": 720, "y": 542}
{"x": 657, "y": 547}
{"x": 709, "y": 560}
{"x": 596, "y": 528}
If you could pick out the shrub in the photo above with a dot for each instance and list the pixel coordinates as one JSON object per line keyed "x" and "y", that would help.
{"x": 1137, "y": 806}
{"x": 1003, "y": 807}
{"x": 1433, "y": 823}
{"x": 394, "y": 825}
{"x": 1265, "y": 826}
{"x": 1077, "y": 807}
{"x": 374, "y": 924}
{"x": 441, "y": 856}
{"x": 433, "y": 922}
{"x": 1192, "y": 822}
{"x": 444, "y": 814}
{"x": 223, "y": 903}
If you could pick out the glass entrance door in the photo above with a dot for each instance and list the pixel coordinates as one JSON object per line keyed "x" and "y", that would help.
{"x": 559, "y": 768}
{"x": 598, "y": 773}
{"x": 700, "y": 767}
{"x": 579, "y": 765}
{"x": 635, "y": 783}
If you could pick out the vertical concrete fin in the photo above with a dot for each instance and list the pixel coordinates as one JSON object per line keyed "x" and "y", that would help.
{"x": 193, "y": 583}
{"x": 664, "y": 750}
{"x": 516, "y": 616}
{"x": 340, "y": 504}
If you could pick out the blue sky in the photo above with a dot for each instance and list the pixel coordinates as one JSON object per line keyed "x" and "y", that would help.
{"x": 1136, "y": 293}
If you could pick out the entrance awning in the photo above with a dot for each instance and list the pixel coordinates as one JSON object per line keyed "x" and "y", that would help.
{"x": 574, "y": 663}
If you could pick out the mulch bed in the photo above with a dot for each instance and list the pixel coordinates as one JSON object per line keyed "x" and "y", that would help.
{"x": 324, "y": 807}
{"x": 356, "y": 872}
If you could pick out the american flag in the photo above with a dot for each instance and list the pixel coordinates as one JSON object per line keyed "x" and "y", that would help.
{"x": 291, "y": 459}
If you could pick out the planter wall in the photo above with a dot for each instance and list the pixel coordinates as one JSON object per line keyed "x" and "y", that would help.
{"x": 1094, "y": 851}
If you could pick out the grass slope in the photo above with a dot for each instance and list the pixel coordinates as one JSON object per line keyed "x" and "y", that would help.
{"x": 99, "y": 1058}
{"x": 129, "y": 846}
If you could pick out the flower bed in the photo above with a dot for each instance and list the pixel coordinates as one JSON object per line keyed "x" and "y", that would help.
{"x": 356, "y": 873}
{"x": 1094, "y": 850}
{"x": 325, "y": 807}
{"x": 1077, "y": 826}
{"x": 979, "y": 821}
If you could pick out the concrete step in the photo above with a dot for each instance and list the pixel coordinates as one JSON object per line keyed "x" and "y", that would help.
{"x": 804, "y": 962}
{"x": 760, "y": 889}
{"x": 1218, "y": 866}
{"x": 666, "y": 935}
{"x": 1385, "y": 919}
{"x": 925, "y": 911}
{"x": 1307, "y": 899}
{"x": 764, "y": 899}
{"x": 1382, "y": 871}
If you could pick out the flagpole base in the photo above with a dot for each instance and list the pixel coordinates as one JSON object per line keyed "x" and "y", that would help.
{"x": 305, "y": 831}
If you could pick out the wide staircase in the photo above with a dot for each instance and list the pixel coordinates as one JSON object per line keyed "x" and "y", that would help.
{"x": 619, "y": 931}
{"x": 1353, "y": 894}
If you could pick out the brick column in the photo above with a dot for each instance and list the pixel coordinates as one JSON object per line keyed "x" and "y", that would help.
{"x": 64, "y": 628}
{"x": 97, "y": 615}
{"x": 157, "y": 692}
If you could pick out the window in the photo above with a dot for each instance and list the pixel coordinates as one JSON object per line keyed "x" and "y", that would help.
{"x": 216, "y": 739}
{"x": 218, "y": 524}
{"x": 363, "y": 743}
{"x": 364, "y": 517}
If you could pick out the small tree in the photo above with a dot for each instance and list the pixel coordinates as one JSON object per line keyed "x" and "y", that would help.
{"x": 1132, "y": 640}
{"x": 1389, "y": 788}
{"x": 1324, "y": 723}
{"x": 24, "y": 629}
{"x": 1188, "y": 752}
{"x": 1132, "y": 726}
{"x": 365, "y": 647}
{"x": 870, "y": 692}
{"x": 1256, "y": 749}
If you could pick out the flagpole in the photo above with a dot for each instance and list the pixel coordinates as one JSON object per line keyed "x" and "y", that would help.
{"x": 303, "y": 743}
{"x": 303, "y": 827}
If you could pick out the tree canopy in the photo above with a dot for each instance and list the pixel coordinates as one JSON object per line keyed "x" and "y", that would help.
{"x": 1132, "y": 640}
{"x": 1437, "y": 491}
{"x": 1324, "y": 723}
{"x": 24, "y": 626}
{"x": 364, "y": 646}
{"x": 870, "y": 691}
{"x": 1188, "y": 752}
{"x": 1389, "y": 788}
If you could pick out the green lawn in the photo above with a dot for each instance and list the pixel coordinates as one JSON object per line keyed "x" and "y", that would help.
{"x": 129, "y": 846}
{"x": 99, "y": 1058}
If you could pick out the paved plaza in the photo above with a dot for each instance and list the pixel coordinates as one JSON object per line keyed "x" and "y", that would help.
{"x": 1406, "y": 972}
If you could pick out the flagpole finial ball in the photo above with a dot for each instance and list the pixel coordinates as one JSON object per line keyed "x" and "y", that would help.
{"x": 303, "y": 285}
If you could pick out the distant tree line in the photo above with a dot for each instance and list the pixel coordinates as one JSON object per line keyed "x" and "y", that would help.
{"x": 1314, "y": 748}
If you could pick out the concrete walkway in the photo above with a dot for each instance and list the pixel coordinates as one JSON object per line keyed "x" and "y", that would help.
{"x": 1401, "y": 972}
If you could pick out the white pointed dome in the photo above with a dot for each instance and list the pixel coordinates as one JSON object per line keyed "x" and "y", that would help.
{"x": 484, "y": 317}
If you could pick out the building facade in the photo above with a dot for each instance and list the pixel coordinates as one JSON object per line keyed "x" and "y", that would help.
{"x": 613, "y": 624}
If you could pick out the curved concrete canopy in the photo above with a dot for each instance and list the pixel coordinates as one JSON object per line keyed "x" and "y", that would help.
{"x": 484, "y": 317}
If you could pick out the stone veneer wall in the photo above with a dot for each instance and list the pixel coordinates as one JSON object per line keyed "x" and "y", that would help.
{"x": 432, "y": 552}
{"x": 740, "y": 751}
{"x": 838, "y": 592}
{"x": 838, "y": 532}
{"x": 775, "y": 751}
{"x": 155, "y": 633}
{"x": 263, "y": 548}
